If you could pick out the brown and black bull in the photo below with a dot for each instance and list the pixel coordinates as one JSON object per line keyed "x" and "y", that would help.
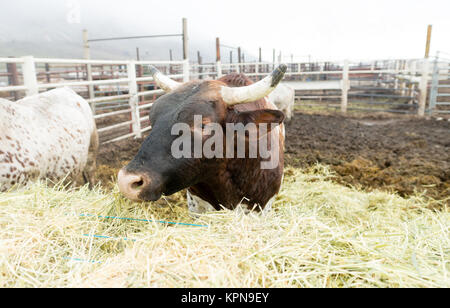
{"x": 217, "y": 182}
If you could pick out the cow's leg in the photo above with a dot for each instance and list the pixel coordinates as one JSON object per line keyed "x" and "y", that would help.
{"x": 91, "y": 164}
{"x": 289, "y": 113}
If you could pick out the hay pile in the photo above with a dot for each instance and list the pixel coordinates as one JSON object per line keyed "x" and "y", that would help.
{"x": 320, "y": 234}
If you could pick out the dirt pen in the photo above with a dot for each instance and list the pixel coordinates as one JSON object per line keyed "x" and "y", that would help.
{"x": 364, "y": 203}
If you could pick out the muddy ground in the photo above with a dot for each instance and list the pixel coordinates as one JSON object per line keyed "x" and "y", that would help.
{"x": 395, "y": 153}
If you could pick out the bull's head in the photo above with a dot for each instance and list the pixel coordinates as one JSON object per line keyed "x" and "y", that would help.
{"x": 154, "y": 170}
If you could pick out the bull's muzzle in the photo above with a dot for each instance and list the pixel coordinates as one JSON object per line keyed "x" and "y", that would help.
{"x": 132, "y": 184}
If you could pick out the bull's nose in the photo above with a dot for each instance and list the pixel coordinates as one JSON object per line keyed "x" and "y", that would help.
{"x": 131, "y": 184}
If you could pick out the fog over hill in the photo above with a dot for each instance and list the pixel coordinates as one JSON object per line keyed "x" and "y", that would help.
{"x": 44, "y": 29}
{"x": 318, "y": 30}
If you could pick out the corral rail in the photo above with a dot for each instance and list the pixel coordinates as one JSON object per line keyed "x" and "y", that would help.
{"x": 121, "y": 92}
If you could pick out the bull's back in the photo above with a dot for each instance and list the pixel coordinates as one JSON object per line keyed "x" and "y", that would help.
{"x": 44, "y": 136}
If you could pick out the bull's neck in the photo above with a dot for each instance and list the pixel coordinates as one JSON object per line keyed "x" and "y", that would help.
{"x": 240, "y": 181}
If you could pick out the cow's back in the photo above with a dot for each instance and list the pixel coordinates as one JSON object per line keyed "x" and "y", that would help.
{"x": 44, "y": 136}
{"x": 283, "y": 97}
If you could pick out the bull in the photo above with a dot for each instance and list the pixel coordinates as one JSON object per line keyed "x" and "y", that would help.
{"x": 216, "y": 182}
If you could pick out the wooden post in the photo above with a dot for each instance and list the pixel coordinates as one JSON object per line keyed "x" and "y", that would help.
{"x": 13, "y": 78}
{"x": 423, "y": 85}
{"x": 185, "y": 39}
{"x": 171, "y": 59}
{"x": 133, "y": 101}
{"x": 239, "y": 59}
{"x": 257, "y": 68}
{"x": 47, "y": 72}
{"x": 345, "y": 86}
{"x": 428, "y": 43}
{"x": 403, "y": 87}
{"x": 397, "y": 67}
{"x": 412, "y": 93}
{"x": 218, "y": 60}
{"x": 200, "y": 69}
{"x": 217, "y": 49}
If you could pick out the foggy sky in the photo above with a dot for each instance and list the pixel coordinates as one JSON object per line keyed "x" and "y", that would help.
{"x": 323, "y": 29}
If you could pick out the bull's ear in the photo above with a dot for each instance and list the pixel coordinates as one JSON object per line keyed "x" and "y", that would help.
{"x": 269, "y": 116}
{"x": 265, "y": 116}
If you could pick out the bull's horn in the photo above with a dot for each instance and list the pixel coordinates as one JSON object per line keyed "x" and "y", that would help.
{"x": 255, "y": 91}
{"x": 162, "y": 80}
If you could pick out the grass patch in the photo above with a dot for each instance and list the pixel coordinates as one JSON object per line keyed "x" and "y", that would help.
{"x": 319, "y": 234}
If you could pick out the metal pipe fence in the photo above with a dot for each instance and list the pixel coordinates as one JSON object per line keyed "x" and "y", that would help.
{"x": 120, "y": 92}
{"x": 440, "y": 86}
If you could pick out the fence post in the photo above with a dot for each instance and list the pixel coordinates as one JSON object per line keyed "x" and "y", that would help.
{"x": 186, "y": 70}
{"x": 13, "y": 78}
{"x": 87, "y": 56}
{"x": 397, "y": 68}
{"x": 185, "y": 39}
{"x": 29, "y": 76}
{"x": 133, "y": 92}
{"x": 345, "y": 86}
{"x": 218, "y": 59}
{"x": 434, "y": 84}
{"x": 273, "y": 59}
{"x": 239, "y": 58}
{"x": 423, "y": 88}
{"x": 219, "y": 69}
{"x": 200, "y": 68}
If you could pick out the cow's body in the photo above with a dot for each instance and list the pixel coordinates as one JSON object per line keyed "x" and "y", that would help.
{"x": 217, "y": 182}
{"x": 50, "y": 135}
{"x": 283, "y": 97}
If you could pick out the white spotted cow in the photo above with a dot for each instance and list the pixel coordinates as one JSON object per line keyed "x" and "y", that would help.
{"x": 51, "y": 135}
{"x": 283, "y": 97}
